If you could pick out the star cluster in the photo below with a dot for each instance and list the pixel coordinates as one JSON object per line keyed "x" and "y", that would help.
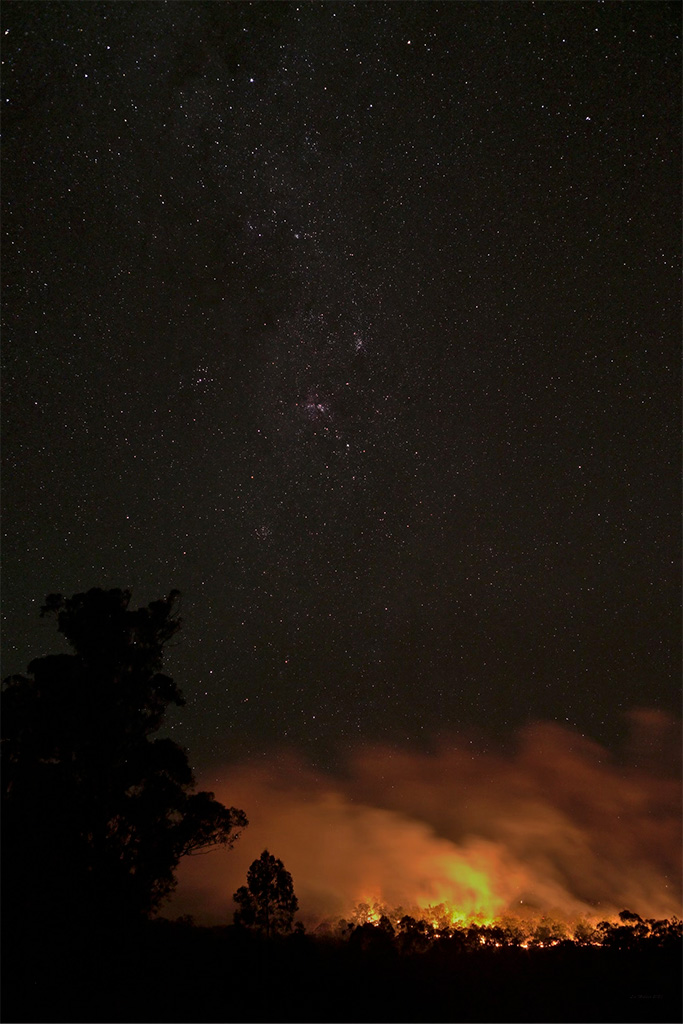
{"x": 358, "y": 324}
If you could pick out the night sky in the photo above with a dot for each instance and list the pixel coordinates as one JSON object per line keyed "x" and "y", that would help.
{"x": 359, "y": 324}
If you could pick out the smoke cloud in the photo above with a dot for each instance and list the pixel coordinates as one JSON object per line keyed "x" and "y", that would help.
{"x": 557, "y": 826}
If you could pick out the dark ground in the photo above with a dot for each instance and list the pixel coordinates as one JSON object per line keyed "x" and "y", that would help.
{"x": 171, "y": 972}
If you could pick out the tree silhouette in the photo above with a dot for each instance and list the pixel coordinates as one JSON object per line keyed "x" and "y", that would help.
{"x": 267, "y": 902}
{"x": 97, "y": 813}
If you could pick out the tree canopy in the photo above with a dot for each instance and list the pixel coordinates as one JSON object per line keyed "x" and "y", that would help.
{"x": 267, "y": 902}
{"x": 98, "y": 812}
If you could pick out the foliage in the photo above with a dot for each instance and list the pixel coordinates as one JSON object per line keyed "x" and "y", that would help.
{"x": 415, "y": 934}
{"x": 267, "y": 902}
{"x": 635, "y": 933}
{"x": 97, "y": 812}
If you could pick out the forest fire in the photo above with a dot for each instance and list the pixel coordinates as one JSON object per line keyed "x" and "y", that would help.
{"x": 556, "y": 831}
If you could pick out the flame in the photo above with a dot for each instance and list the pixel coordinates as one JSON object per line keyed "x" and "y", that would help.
{"x": 557, "y": 827}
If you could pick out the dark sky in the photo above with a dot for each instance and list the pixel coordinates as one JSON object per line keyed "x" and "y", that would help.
{"x": 359, "y": 324}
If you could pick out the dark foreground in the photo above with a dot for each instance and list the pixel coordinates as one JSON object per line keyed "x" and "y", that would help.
{"x": 167, "y": 972}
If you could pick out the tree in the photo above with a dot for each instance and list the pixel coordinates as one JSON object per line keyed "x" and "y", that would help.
{"x": 98, "y": 813}
{"x": 267, "y": 902}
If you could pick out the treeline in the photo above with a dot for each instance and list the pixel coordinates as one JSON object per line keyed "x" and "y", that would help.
{"x": 411, "y": 934}
{"x": 175, "y": 971}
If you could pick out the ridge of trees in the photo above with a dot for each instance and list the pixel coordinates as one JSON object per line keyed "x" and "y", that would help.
{"x": 372, "y": 927}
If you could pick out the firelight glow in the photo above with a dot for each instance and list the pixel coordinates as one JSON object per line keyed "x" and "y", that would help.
{"x": 557, "y": 827}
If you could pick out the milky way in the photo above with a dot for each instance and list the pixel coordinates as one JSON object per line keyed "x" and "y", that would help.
{"x": 358, "y": 324}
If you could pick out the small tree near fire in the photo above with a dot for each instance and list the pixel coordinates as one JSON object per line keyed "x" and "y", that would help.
{"x": 267, "y": 902}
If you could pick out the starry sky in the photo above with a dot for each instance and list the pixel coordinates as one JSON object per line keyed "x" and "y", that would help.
{"x": 359, "y": 324}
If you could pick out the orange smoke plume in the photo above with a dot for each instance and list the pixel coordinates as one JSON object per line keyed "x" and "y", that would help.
{"x": 557, "y": 827}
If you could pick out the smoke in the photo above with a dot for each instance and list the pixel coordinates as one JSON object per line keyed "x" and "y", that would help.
{"x": 557, "y": 826}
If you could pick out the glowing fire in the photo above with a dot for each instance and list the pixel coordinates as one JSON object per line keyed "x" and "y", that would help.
{"x": 557, "y": 828}
{"x": 443, "y": 922}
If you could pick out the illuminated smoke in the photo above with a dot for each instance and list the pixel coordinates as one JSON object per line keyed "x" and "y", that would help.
{"x": 558, "y": 827}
